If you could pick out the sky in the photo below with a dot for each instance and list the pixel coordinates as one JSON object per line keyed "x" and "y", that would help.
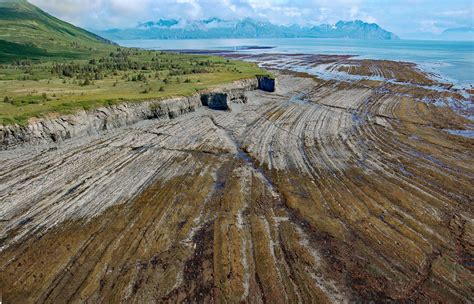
{"x": 407, "y": 18}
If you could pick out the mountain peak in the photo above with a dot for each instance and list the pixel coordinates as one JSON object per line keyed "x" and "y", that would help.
{"x": 215, "y": 28}
{"x": 361, "y": 30}
{"x": 210, "y": 20}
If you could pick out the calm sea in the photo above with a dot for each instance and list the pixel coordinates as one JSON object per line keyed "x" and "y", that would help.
{"x": 452, "y": 60}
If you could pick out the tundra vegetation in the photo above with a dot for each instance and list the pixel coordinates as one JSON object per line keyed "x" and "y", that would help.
{"x": 37, "y": 88}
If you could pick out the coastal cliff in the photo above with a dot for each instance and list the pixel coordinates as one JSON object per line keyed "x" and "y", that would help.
{"x": 43, "y": 130}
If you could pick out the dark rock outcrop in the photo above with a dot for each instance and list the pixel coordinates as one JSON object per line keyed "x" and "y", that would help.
{"x": 223, "y": 100}
{"x": 216, "y": 101}
{"x": 266, "y": 83}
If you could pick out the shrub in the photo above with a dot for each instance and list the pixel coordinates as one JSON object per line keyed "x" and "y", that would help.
{"x": 141, "y": 77}
{"x": 146, "y": 90}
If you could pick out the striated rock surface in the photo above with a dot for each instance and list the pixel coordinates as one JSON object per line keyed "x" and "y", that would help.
{"x": 116, "y": 116}
{"x": 322, "y": 192}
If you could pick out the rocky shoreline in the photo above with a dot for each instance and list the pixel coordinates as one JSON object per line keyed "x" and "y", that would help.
{"x": 323, "y": 191}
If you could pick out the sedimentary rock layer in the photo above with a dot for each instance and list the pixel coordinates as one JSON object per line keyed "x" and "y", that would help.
{"x": 320, "y": 192}
{"x": 106, "y": 118}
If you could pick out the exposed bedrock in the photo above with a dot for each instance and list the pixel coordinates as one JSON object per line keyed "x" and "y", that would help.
{"x": 217, "y": 101}
{"x": 323, "y": 192}
{"x": 223, "y": 101}
{"x": 112, "y": 117}
{"x": 93, "y": 122}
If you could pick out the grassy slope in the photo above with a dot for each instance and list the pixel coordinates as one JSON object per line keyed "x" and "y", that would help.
{"x": 33, "y": 90}
{"x": 44, "y": 35}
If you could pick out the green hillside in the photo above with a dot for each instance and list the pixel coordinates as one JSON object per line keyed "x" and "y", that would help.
{"x": 27, "y": 32}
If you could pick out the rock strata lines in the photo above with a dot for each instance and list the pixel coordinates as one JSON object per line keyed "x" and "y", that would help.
{"x": 323, "y": 191}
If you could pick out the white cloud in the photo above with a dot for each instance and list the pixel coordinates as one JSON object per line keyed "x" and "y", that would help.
{"x": 397, "y": 16}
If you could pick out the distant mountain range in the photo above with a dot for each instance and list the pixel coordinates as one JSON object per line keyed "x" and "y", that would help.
{"x": 215, "y": 28}
{"x": 460, "y": 33}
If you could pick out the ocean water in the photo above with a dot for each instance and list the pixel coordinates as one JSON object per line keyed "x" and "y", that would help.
{"x": 453, "y": 61}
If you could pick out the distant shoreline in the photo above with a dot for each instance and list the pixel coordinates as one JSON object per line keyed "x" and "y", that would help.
{"x": 353, "y": 68}
{"x": 445, "y": 83}
{"x": 451, "y": 60}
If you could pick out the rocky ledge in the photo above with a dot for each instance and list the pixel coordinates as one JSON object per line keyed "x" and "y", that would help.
{"x": 111, "y": 117}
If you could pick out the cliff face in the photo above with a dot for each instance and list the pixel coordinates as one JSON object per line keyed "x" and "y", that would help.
{"x": 112, "y": 117}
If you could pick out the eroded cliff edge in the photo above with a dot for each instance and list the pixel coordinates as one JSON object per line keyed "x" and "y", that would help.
{"x": 56, "y": 129}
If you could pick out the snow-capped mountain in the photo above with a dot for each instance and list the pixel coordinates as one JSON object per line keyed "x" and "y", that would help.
{"x": 245, "y": 28}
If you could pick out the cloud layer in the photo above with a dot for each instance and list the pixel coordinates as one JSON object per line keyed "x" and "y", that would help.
{"x": 405, "y": 17}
